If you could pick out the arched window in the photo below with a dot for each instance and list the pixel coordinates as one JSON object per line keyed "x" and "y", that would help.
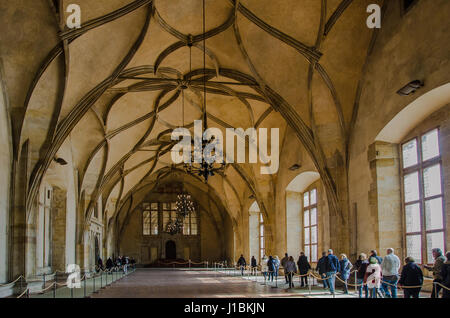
{"x": 423, "y": 196}
{"x": 256, "y": 231}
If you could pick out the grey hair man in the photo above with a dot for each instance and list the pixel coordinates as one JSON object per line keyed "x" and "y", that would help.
{"x": 390, "y": 267}
{"x": 439, "y": 261}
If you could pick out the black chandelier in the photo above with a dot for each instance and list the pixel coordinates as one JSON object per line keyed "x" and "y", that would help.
{"x": 207, "y": 167}
{"x": 185, "y": 206}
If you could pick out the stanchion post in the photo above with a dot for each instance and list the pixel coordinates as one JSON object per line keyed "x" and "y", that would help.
{"x": 85, "y": 285}
{"x": 93, "y": 278}
{"x": 101, "y": 279}
{"x": 356, "y": 283}
{"x": 309, "y": 285}
{"x": 54, "y": 289}
{"x": 44, "y": 280}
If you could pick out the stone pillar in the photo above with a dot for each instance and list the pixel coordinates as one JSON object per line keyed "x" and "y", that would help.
{"x": 58, "y": 229}
{"x": 385, "y": 197}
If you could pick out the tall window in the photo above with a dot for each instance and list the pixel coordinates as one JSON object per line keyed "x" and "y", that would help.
{"x": 169, "y": 213}
{"x": 423, "y": 196}
{"x": 262, "y": 246}
{"x": 190, "y": 224}
{"x": 310, "y": 224}
{"x": 150, "y": 219}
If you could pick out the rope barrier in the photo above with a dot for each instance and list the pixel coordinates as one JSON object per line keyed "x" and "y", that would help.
{"x": 12, "y": 283}
{"x": 25, "y": 292}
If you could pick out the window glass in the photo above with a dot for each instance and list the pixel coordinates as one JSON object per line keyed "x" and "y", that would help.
{"x": 154, "y": 206}
{"x": 306, "y": 218}
{"x": 307, "y": 252}
{"x": 409, "y": 153}
{"x": 434, "y": 214}
{"x": 430, "y": 145}
{"x": 261, "y": 230}
{"x": 307, "y": 235}
{"x": 432, "y": 180}
{"x": 313, "y": 216}
{"x": 154, "y": 222}
{"x": 306, "y": 199}
{"x": 414, "y": 247}
{"x": 412, "y": 218}
{"x": 411, "y": 186}
{"x": 146, "y": 223}
{"x": 314, "y": 234}
{"x": 434, "y": 240}
{"x": 313, "y": 197}
{"x": 313, "y": 253}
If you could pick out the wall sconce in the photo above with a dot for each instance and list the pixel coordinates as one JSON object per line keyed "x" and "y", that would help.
{"x": 61, "y": 161}
{"x": 410, "y": 88}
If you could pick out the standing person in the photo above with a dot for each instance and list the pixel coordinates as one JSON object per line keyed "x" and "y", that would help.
{"x": 445, "y": 273}
{"x": 242, "y": 263}
{"x": 439, "y": 260}
{"x": 100, "y": 264}
{"x": 411, "y": 276}
{"x": 373, "y": 253}
{"x": 253, "y": 265}
{"x": 332, "y": 268}
{"x": 390, "y": 267}
{"x": 303, "y": 268}
{"x": 264, "y": 266}
{"x": 345, "y": 266}
{"x": 361, "y": 267}
{"x": 109, "y": 263}
{"x": 118, "y": 262}
{"x": 290, "y": 269}
{"x": 373, "y": 277}
{"x": 283, "y": 263}
{"x": 322, "y": 269}
{"x": 270, "y": 267}
{"x": 276, "y": 266}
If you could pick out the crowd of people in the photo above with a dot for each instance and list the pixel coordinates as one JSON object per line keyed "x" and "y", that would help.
{"x": 375, "y": 275}
{"x": 121, "y": 263}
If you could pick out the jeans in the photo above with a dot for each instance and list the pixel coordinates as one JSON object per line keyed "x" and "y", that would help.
{"x": 411, "y": 292}
{"x": 290, "y": 276}
{"x": 253, "y": 272}
{"x": 385, "y": 287}
{"x": 331, "y": 278}
{"x": 436, "y": 289}
{"x": 242, "y": 270}
{"x": 345, "y": 286}
{"x": 271, "y": 275}
{"x": 360, "y": 288}
{"x": 325, "y": 283}
{"x": 373, "y": 292}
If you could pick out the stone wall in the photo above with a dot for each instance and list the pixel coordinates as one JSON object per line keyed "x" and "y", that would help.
{"x": 404, "y": 51}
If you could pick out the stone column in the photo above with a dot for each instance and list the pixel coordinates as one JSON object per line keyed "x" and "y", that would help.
{"x": 58, "y": 229}
{"x": 385, "y": 196}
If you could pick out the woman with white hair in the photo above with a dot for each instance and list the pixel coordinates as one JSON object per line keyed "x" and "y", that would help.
{"x": 345, "y": 266}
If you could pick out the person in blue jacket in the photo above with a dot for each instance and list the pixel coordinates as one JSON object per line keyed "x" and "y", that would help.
{"x": 346, "y": 266}
{"x": 332, "y": 268}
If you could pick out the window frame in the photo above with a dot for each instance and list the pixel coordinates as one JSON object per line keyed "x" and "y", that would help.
{"x": 150, "y": 210}
{"x": 308, "y": 208}
{"x": 419, "y": 167}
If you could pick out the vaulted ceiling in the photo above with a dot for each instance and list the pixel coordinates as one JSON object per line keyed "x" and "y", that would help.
{"x": 111, "y": 90}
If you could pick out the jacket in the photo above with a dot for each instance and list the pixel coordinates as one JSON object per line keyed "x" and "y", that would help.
{"x": 411, "y": 275}
{"x": 373, "y": 276}
{"x": 242, "y": 261}
{"x": 290, "y": 267}
{"x": 361, "y": 267}
{"x": 270, "y": 265}
{"x": 276, "y": 264}
{"x": 390, "y": 265}
{"x": 333, "y": 263}
{"x": 253, "y": 262}
{"x": 284, "y": 261}
{"x": 437, "y": 267}
{"x": 345, "y": 266}
{"x": 445, "y": 273}
{"x": 264, "y": 265}
{"x": 303, "y": 265}
{"x": 322, "y": 265}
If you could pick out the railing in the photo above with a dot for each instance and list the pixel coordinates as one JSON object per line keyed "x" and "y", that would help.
{"x": 91, "y": 282}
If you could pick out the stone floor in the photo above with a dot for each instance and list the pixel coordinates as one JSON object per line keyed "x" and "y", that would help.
{"x": 181, "y": 283}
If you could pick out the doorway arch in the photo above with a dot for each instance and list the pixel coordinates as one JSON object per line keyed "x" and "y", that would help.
{"x": 171, "y": 250}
